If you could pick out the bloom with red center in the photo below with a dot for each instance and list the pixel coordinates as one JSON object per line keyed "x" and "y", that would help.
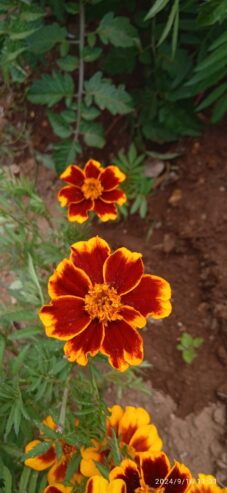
{"x": 134, "y": 432}
{"x": 58, "y": 488}
{"x": 152, "y": 473}
{"x": 48, "y": 460}
{"x": 92, "y": 189}
{"x": 206, "y": 484}
{"x": 99, "y": 300}
{"x": 98, "y": 484}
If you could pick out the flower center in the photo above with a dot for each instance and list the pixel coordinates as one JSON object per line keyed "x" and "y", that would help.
{"x": 68, "y": 450}
{"x": 103, "y": 302}
{"x": 91, "y": 188}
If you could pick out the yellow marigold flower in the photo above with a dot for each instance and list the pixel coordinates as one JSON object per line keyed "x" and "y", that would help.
{"x": 206, "y": 484}
{"x": 99, "y": 300}
{"x": 92, "y": 189}
{"x": 134, "y": 431}
{"x": 152, "y": 473}
{"x": 58, "y": 488}
{"x": 48, "y": 460}
{"x": 97, "y": 484}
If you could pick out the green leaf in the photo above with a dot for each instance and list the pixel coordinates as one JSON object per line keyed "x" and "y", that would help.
{"x": 103, "y": 470}
{"x": 39, "y": 449}
{"x": 59, "y": 125}
{"x": 219, "y": 109}
{"x": 143, "y": 207}
{"x": 188, "y": 356}
{"x": 169, "y": 23}
{"x": 2, "y": 349}
{"x": 46, "y": 38}
{"x": 91, "y": 54}
{"x": 73, "y": 466}
{"x": 25, "y": 333}
{"x": 24, "y": 479}
{"x": 7, "y": 478}
{"x": 93, "y": 134}
{"x": 51, "y": 89}
{"x": 33, "y": 482}
{"x": 117, "y": 30}
{"x": 107, "y": 96}
{"x": 219, "y": 54}
{"x": 69, "y": 116}
{"x": 64, "y": 153}
{"x": 198, "y": 341}
{"x": 32, "y": 13}
{"x": 213, "y": 96}
{"x": 89, "y": 113}
{"x": 18, "y": 316}
{"x": 68, "y": 63}
{"x": 156, "y": 8}
{"x": 20, "y": 30}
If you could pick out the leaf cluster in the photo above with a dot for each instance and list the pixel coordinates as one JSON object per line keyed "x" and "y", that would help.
{"x": 188, "y": 346}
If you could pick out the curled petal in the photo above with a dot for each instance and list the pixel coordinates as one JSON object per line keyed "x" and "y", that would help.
{"x": 133, "y": 317}
{"x": 98, "y": 484}
{"x": 79, "y": 212}
{"x": 69, "y": 194}
{"x": 122, "y": 344}
{"x": 111, "y": 177}
{"x": 132, "y": 419}
{"x": 153, "y": 466}
{"x": 178, "y": 479}
{"x": 73, "y": 174}
{"x": 58, "y": 488}
{"x": 114, "y": 419}
{"x": 68, "y": 280}
{"x": 123, "y": 270}
{"x": 90, "y": 256}
{"x": 64, "y": 317}
{"x": 150, "y": 297}
{"x": 129, "y": 473}
{"x": 146, "y": 438}
{"x": 105, "y": 211}
{"x": 88, "y": 342}
{"x": 42, "y": 461}
{"x": 92, "y": 169}
{"x": 117, "y": 196}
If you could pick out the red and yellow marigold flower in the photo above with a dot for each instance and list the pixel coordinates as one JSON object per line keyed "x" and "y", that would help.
{"x": 206, "y": 484}
{"x": 58, "y": 488}
{"x": 92, "y": 189}
{"x": 48, "y": 460}
{"x": 99, "y": 300}
{"x": 152, "y": 472}
{"x": 135, "y": 435}
{"x": 98, "y": 484}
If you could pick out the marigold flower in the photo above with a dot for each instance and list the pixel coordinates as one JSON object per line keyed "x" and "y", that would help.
{"x": 92, "y": 189}
{"x": 206, "y": 484}
{"x": 58, "y": 488}
{"x": 49, "y": 459}
{"x": 99, "y": 299}
{"x": 152, "y": 472}
{"x": 98, "y": 484}
{"x": 135, "y": 435}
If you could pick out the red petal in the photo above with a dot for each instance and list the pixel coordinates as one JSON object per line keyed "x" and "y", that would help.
{"x": 122, "y": 344}
{"x": 90, "y": 256}
{"x": 150, "y": 297}
{"x": 40, "y": 462}
{"x": 78, "y": 212}
{"x": 88, "y": 342}
{"x": 57, "y": 473}
{"x": 73, "y": 174}
{"x": 127, "y": 471}
{"x": 133, "y": 317}
{"x": 68, "y": 280}
{"x": 64, "y": 317}
{"x": 111, "y": 177}
{"x": 92, "y": 169}
{"x": 179, "y": 479}
{"x": 117, "y": 196}
{"x": 154, "y": 467}
{"x": 69, "y": 194}
{"x": 123, "y": 270}
{"x": 105, "y": 211}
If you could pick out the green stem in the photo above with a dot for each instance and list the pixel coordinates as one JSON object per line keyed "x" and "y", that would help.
{"x": 81, "y": 70}
{"x": 61, "y": 423}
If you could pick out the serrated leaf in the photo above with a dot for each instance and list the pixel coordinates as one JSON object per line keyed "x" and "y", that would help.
{"x": 51, "y": 89}
{"x": 64, "y": 153}
{"x": 20, "y": 30}
{"x": 91, "y": 54}
{"x": 39, "y": 449}
{"x": 93, "y": 134}
{"x": 117, "y": 30}
{"x": 89, "y": 113}
{"x": 69, "y": 116}
{"x": 107, "y": 96}
{"x": 25, "y": 333}
{"x": 59, "y": 125}
{"x": 45, "y": 38}
{"x": 156, "y": 8}
{"x": 68, "y": 63}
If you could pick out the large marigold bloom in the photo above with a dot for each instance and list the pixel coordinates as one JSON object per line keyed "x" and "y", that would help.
{"x": 98, "y": 484}
{"x": 134, "y": 432}
{"x": 206, "y": 484}
{"x": 152, "y": 472}
{"x": 48, "y": 460}
{"x": 99, "y": 299}
{"x": 92, "y": 189}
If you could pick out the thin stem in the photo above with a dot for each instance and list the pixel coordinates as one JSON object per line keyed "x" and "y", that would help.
{"x": 81, "y": 70}
{"x": 61, "y": 422}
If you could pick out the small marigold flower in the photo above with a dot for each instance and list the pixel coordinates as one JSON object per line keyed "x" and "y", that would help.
{"x": 134, "y": 432}
{"x": 99, "y": 299}
{"x": 206, "y": 484}
{"x": 92, "y": 189}
{"x": 49, "y": 459}
{"x": 98, "y": 484}
{"x": 58, "y": 488}
{"x": 152, "y": 472}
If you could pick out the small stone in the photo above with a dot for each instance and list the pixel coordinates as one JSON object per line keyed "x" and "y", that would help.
{"x": 175, "y": 197}
{"x": 154, "y": 168}
{"x": 222, "y": 189}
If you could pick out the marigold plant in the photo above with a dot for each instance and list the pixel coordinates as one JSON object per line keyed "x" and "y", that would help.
{"x": 134, "y": 432}
{"x": 99, "y": 300}
{"x": 92, "y": 189}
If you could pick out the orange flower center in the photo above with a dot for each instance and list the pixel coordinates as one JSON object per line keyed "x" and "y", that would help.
{"x": 91, "y": 188}
{"x": 68, "y": 450}
{"x": 103, "y": 302}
